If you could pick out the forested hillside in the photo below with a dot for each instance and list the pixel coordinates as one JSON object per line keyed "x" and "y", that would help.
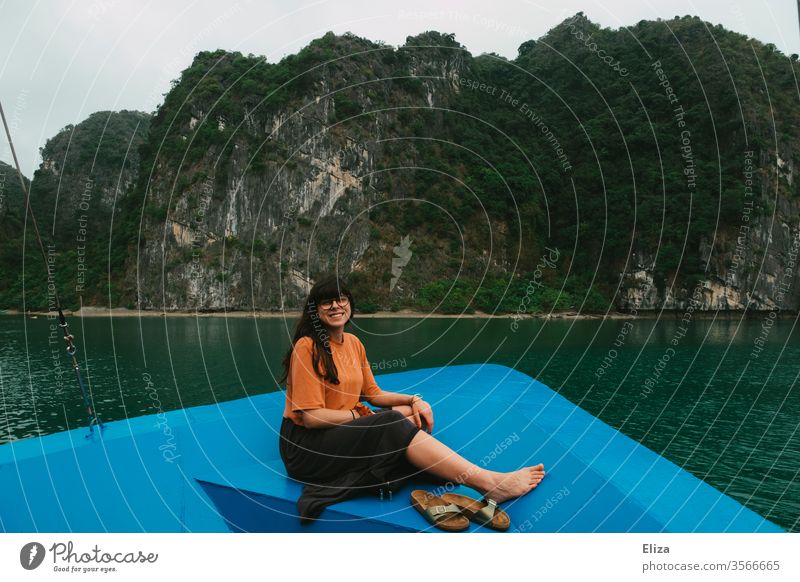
{"x": 76, "y": 194}
{"x": 601, "y": 169}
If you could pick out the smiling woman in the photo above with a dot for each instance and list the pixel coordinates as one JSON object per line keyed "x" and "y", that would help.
{"x": 337, "y": 445}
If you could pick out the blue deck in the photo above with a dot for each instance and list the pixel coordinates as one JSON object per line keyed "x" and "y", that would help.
{"x": 217, "y": 468}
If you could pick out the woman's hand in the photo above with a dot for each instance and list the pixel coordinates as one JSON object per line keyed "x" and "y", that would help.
{"x": 422, "y": 411}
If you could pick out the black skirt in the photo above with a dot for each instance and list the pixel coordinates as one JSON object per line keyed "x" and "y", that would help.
{"x": 362, "y": 457}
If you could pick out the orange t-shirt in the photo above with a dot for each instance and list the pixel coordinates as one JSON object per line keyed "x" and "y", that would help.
{"x": 306, "y": 390}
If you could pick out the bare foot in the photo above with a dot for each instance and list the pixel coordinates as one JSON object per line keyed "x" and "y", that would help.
{"x": 515, "y": 484}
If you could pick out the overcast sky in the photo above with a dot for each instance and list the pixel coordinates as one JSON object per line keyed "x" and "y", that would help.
{"x": 63, "y": 60}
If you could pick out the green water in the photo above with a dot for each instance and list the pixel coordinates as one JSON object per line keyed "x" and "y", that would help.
{"x": 723, "y": 406}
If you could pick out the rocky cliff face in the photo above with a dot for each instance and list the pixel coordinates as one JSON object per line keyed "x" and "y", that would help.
{"x": 295, "y": 187}
{"x": 434, "y": 178}
{"x": 752, "y": 265}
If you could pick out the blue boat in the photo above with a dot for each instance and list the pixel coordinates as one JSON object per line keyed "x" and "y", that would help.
{"x": 216, "y": 468}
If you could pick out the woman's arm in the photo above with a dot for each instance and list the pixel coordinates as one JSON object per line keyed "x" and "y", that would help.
{"x": 327, "y": 417}
{"x": 419, "y": 409}
{"x": 387, "y": 399}
{"x": 371, "y": 392}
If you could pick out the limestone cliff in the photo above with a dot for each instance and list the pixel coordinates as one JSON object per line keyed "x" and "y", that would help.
{"x": 753, "y": 264}
{"x": 284, "y": 188}
{"x": 646, "y": 168}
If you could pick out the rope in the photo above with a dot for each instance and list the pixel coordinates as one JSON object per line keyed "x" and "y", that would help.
{"x": 94, "y": 419}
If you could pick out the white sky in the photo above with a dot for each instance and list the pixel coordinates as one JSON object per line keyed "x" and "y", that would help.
{"x": 60, "y": 61}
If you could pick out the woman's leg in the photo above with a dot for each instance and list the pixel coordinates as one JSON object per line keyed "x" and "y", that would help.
{"x": 428, "y": 453}
{"x": 321, "y": 455}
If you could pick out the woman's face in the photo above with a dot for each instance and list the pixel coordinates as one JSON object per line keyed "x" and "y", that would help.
{"x": 334, "y": 313}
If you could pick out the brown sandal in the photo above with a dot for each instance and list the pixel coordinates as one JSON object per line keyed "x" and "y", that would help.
{"x": 483, "y": 512}
{"x": 445, "y": 516}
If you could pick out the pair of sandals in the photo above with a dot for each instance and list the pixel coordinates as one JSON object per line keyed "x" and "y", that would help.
{"x": 453, "y": 512}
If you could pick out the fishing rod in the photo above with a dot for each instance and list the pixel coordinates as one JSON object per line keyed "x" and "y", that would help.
{"x": 69, "y": 339}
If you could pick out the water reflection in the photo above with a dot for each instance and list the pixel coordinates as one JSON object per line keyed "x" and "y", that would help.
{"x": 713, "y": 408}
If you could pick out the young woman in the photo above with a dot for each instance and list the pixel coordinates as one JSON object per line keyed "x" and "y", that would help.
{"x": 336, "y": 445}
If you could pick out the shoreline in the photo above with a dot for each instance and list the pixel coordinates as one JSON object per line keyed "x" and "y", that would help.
{"x": 404, "y": 313}
{"x": 293, "y": 313}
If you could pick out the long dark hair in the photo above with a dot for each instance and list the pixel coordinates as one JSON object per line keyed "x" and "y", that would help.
{"x": 329, "y": 287}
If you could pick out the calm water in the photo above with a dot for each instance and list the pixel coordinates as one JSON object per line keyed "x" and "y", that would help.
{"x": 717, "y": 410}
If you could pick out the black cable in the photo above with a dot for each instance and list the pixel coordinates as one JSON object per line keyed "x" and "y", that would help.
{"x": 68, "y": 337}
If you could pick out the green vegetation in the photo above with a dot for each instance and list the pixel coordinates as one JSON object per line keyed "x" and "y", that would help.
{"x": 84, "y": 181}
{"x": 483, "y": 163}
